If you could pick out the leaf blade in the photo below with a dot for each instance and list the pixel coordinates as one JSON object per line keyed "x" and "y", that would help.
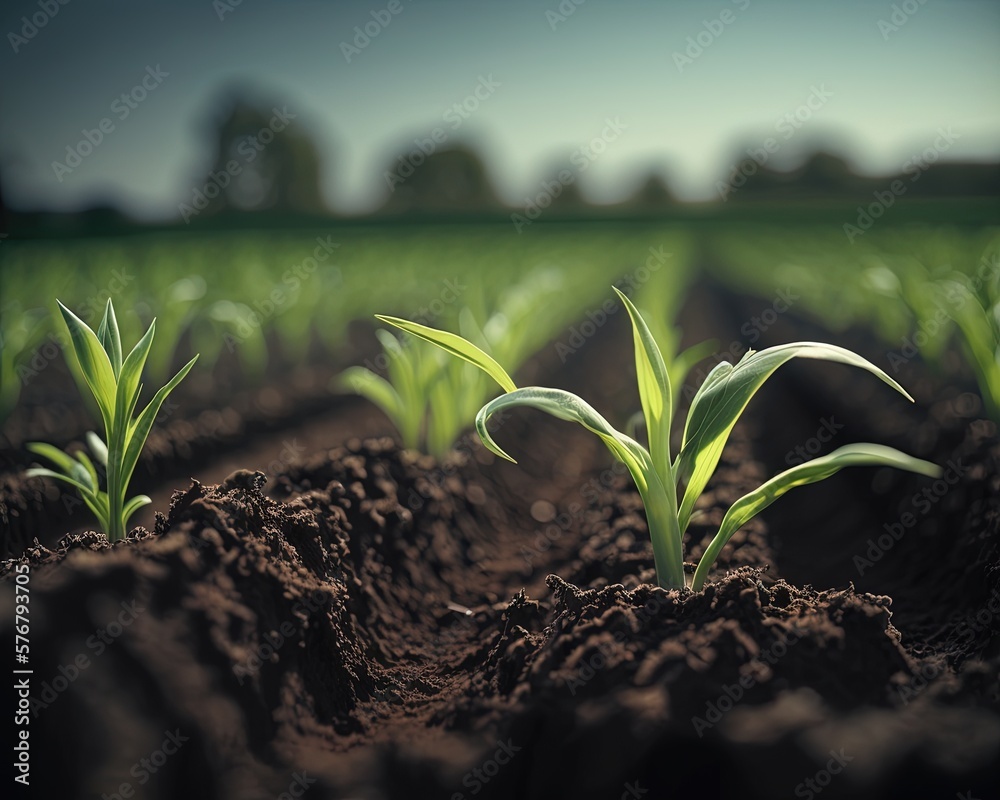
{"x": 818, "y": 469}
{"x": 456, "y": 346}
{"x": 726, "y": 392}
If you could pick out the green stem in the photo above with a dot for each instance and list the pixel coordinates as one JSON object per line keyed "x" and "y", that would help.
{"x": 116, "y": 492}
{"x": 664, "y": 532}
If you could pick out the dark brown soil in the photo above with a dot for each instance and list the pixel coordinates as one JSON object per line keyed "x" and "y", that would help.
{"x": 374, "y": 624}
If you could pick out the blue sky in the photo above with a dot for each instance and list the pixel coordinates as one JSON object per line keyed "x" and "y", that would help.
{"x": 886, "y": 91}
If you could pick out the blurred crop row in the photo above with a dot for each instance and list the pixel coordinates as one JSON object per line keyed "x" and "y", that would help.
{"x": 244, "y": 296}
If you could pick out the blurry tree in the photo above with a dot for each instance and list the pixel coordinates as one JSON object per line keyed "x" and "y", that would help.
{"x": 263, "y": 158}
{"x": 653, "y": 195}
{"x": 450, "y": 180}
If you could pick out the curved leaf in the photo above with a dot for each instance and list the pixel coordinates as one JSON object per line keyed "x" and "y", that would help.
{"x": 98, "y": 448}
{"x": 852, "y": 455}
{"x": 139, "y": 429}
{"x": 726, "y": 392}
{"x": 134, "y": 505}
{"x": 94, "y": 363}
{"x": 110, "y": 338}
{"x": 456, "y": 346}
{"x": 660, "y": 514}
{"x": 654, "y": 389}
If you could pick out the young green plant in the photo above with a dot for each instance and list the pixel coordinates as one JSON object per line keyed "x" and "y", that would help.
{"x": 115, "y": 386}
{"x": 671, "y": 485}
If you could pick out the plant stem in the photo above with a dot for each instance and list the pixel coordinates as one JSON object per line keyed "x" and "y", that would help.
{"x": 664, "y": 532}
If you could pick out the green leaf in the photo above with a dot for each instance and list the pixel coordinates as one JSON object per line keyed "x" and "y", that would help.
{"x": 660, "y": 513}
{"x": 110, "y": 337}
{"x": 88, "y": 465}
{"x": 94, "y": 364}
{"x": 98, "y": 448}
{"x": 134, "y": 505}
{"x": 723, "y": 397}
{"x": 567, "y": 406}
{"x": 131, "y": 371}
{"x": 139, "y": 429}
{"x": 62, "y": 460}
{"x": 654, "y": 389}
{"x": 42, "y": 472}
{"x": 852, "y": 455}
{"x": 375, "y": 388}
{"x": 457, "y": 346}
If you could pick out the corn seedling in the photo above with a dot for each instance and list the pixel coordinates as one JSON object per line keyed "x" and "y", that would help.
{"x": 431, "y": 398}
{"x": 115, "y": 386}
{"x": 670, "y": 486}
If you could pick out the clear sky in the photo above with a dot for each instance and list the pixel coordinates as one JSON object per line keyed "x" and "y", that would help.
{"x": 879, "y": 93}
